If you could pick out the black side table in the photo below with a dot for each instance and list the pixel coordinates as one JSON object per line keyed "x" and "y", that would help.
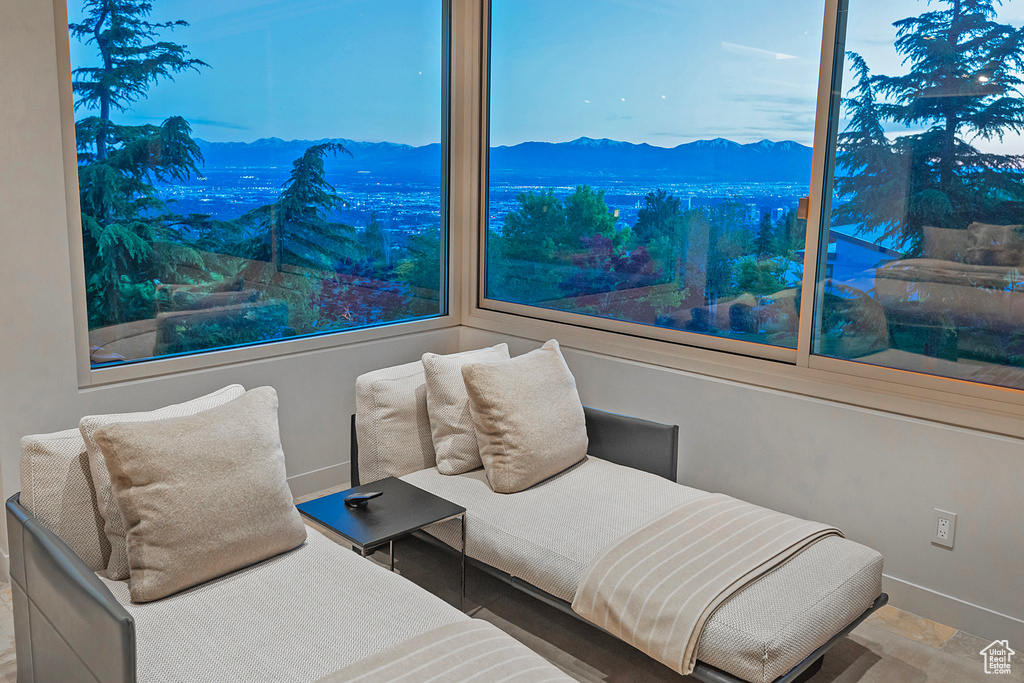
{"x": 402, "y": 509}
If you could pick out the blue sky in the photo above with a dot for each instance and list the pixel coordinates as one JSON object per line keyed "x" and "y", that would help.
{"x": 657, "y": 71}
{"x": 301, "y": 69}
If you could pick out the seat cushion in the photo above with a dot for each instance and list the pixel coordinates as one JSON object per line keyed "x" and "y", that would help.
{"x": 292, "y": 619}
{"x": 548, "y": 534}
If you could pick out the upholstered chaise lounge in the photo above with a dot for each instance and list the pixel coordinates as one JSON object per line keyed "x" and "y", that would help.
{"x": 283, "y": 619}
{"x": 542, "y": 539}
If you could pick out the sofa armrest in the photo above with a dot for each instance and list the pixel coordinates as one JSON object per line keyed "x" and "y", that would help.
{"x": 68, "y": 625}
{"x": 643, "y": 445}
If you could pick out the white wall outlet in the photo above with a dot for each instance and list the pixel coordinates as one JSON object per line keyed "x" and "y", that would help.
{"x": 943, "y": 527}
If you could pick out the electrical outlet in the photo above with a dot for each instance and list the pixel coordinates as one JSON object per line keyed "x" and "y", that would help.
{"x": 943, "y": 527}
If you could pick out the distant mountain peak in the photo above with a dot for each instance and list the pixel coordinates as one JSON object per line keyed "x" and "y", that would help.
{"x": 714, "y": 142}
{"x": 779, "y": 145}
{"x": 592, "y": 142}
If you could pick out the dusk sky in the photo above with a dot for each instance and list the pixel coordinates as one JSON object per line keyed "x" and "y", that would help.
{"x": 657, "y": 71}
{"x": 300, "y": 69}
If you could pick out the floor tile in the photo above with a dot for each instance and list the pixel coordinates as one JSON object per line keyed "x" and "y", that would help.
{"x": 969, "y": 647}
{"x": 8, "y": 667}
{"x": 924, "y": 631}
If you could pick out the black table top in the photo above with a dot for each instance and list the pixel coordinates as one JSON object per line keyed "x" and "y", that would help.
{"x": 402, "y": 509}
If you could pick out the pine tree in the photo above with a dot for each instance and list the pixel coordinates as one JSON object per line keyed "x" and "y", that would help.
{"x": 131, "y": 60}
{"x": 296, "y": 228}
{"x": 873, "y": 175}
{"x": 962, "y": 85}
{"x": 659, "y": 217}
{"x": 121, "y": 212}
{"x": 764, "y": 241}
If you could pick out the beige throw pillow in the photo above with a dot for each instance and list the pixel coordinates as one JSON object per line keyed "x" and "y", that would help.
{"x": 528, "y": 417}
{"x": 202, "y": 495}
{"x": 113, "y": 523}
{"x": 996, "y": 245}
{"x": 392, "y": 424}
{"x": 945, "y": 244}
{"x": 57, "y": 489}
{"x": 451, "y": 423}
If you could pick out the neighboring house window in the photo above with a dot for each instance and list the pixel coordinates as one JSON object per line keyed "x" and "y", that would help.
{"x": 254, "y": 172}
{"x": 926, "y": 248}
{"x": 647, "y": 160}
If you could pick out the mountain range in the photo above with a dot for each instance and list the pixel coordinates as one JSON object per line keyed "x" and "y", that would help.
{"x": 717, "y": 160}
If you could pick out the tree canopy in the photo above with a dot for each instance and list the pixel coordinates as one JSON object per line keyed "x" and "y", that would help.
{"x": 118, "y": 164}
{"x": 297, "y": 229}
{"x": 962, "y": 85}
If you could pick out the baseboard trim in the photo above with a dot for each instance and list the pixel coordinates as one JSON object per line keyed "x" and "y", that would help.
{"x": 318, "y": 480}
{"x": 952, "y": 611}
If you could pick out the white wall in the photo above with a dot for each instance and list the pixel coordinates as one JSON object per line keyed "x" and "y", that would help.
{"x": 38, "y": 374}
{"x": 875, "y": 475}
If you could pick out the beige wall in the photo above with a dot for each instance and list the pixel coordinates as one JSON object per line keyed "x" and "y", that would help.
{"x": 875, "y": 475}
{"x": 38, "y": 373}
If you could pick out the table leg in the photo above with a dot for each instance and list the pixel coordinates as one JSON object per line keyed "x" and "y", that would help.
{"x": 462, "y": 596}
{"x": 391, "y": 553}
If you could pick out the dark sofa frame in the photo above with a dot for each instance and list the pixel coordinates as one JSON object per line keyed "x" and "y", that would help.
{"x": 68, "y": 626}
{"x": 651, "y": 447}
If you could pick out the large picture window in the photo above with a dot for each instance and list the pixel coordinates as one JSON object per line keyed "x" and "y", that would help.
{"x": 922, "y": 267}
{"x": 256, "y": 171}
{"x": 647, "y": 160}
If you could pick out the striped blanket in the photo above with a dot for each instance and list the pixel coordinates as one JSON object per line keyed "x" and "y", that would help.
{"x": 466, "y": 650}
{"x": 656, "y": 587}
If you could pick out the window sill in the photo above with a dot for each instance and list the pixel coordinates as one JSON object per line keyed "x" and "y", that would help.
{"x": 947, "y": 401}
{"x": 167, "y": 366}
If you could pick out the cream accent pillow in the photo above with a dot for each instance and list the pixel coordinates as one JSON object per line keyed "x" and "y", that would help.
{"x": 57, "y": 489}
{"x": 528, "y": 417}
{"x": 392, "y": 426}
{"x": 202, "y": 495}
{"x": 945, "y": 244}
{"x": 996, "y": 245}
{"x": 451, "y": 423}
{"x": 113, "y": 523}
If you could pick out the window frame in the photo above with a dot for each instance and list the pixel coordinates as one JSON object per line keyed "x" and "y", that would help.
{"x": 166, "y": 365}
{"x": 946, "y": 400}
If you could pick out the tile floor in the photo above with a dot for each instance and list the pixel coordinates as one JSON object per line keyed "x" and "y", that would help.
{"x": 892, "y": 646}
{"x": 8, "y": 668}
